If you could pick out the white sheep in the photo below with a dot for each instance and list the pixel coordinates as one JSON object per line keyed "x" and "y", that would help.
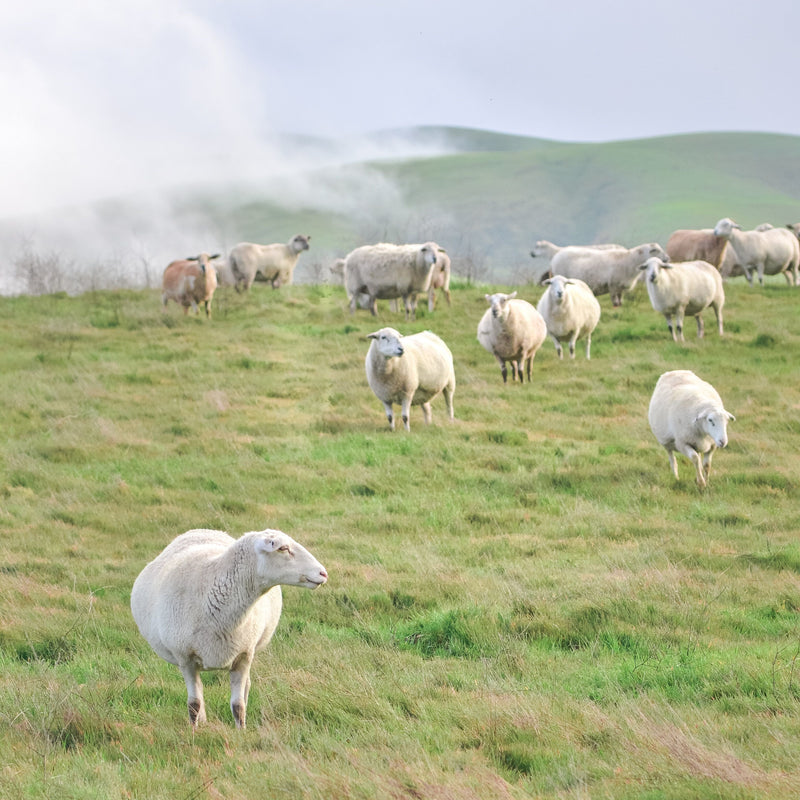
{"x": 684, "y": 288}
{"x": 543, "y": 251}
{"x": 209, "y": 601}
{"x": 511, "y": 330}
{"x": 189, "y": 282}
{"x": 387, "y": 271}
{"x": 274, "y": 262}
{"x": 687, "y": 416}
{"x": 410, "y": 370}
{"x": 605, "y": 271}
{"x": 765, "y": 252}
{"x": 570, "y": 311}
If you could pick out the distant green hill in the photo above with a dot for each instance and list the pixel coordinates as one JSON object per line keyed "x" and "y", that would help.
{"x": 495, "y": 195}
{"x": 487, "y": 200}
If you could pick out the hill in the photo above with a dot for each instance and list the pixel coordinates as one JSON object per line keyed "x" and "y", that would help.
{"x": 485, "y": 196}
{"x": 495, "y": 195}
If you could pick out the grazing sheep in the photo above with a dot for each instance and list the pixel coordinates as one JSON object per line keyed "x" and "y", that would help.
{"x": 543, "y": 251}
{"x": 698, "y": 245}
{"x": 605, "y": 271}
{"x": 570, "y": 311}
{"x": 386, "y": 271}
{"x": 410, "y": 370}
{"x": 190, "y": 282}
{"x": 511, "y": 330}
{"x": 209, "y": 601}
{"x": 686, "y": 415}
{"x": 684, "y": 287}
{"x": 768, "y": 252}
{"x": 440, "y": 279}
{"x": 274, "y": 262}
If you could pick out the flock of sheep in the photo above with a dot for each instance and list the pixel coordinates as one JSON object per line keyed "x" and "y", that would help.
{"x": 209, "y": 601}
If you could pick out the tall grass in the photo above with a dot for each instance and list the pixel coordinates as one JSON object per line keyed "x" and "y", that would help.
{"x": 524, "y": 603}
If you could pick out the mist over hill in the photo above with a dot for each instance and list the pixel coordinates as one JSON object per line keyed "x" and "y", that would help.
{"x": 486, "y": 197}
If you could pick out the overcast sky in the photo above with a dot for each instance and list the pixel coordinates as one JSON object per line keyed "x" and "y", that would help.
{"x": 104, "y": 97}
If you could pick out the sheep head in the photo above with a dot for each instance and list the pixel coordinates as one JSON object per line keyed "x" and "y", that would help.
{"x": 282, "y": 560}
{"x": 387, "y": 341}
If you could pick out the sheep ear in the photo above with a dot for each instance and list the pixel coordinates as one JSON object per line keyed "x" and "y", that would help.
{"x": 267, "y": 545}
{"x": 643, "y": 266}
{"x": 372, "y": 335}
{"x": 730, "y": 416}
{"x": 512, "y": 295}
{"x": 216, "y": 255}
{"x": 488, "y": 298}
{"x": 192, "y": 258}
{"x": 547, "y": 281}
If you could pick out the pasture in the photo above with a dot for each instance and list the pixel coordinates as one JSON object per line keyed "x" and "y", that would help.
{"x": 523, "y": 603}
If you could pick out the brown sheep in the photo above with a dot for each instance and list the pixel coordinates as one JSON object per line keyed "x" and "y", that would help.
{"x": 189, "y": 282}
{"x": 698, "y": 245}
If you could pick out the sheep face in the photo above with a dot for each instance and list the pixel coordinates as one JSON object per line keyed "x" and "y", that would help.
{"x": 387, "y": 340}
{"x": 429, "y": 252}
{"x": 499, "y": 303}
{"x": 281, "y": 560}
{"x": 653, "y": 267}
{"x": 558, "y": 287}
{"x": 541, "y": 249}
{"x": 725, "y": 227}
{"x": 715, "y": 425}
{"x": 300, "y": 243}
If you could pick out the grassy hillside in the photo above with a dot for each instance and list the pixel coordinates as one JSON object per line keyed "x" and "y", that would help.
{"x": 487, "y": 201}
{"x": 524, "y": 603}
{"x": 496, "y": 195}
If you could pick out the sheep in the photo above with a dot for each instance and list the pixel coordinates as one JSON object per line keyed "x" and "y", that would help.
{"x": 544, "y": 251}
{"x": 274, "y": 262}
{"x": 698, "y": 245}
{"x": 605, "y": 271}
{"x": 189, "y": 282}
{"x": 570, "y": 311}
{"x": 768, "y": 252}
{"x": 440, "y": 279}
{"x": 410, "y": 370}
{"x": 209, "y": 601}
{"x": 386, "y": 271}
{"x": 684, "y": 287}
{"x": 511, "y": 330}
{"x": 687, "y": 416}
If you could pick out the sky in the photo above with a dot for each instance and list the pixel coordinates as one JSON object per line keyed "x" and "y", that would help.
{"x": 104, "y": 98}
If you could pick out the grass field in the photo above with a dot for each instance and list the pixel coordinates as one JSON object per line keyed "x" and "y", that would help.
{"x": 523, "y": 603}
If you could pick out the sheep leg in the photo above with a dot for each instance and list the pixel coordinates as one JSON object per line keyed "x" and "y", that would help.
{"x": 589, "y": 347}
{"x": 448, "y": 399}
{"x": 679, "y": 324}
{"x": 194, "y": 688}
{"x": 668, "y": 318}
{"x": 426, "y": 410}
{"x": 695, "y": 458}
{"x": 718, "y": 313}
{"x": 528, "y": 364}
{"x": 431, "y": 299}
{"x": 503, "y": 369}
{"x": 240, "y": 680}
{"x": 673, "y": 463}
{"x": 707, "y": 463}
{"x": 406, "y": 412}
{"x": 700, "y": 326}
{"x": 447, "y": 295}
{"x": 572, "y": 346}
{"x": 559, "y": 348}
{"x": 389, "y": 415}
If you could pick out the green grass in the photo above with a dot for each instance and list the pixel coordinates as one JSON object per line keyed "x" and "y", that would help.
{"x": 524, "y": 603}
